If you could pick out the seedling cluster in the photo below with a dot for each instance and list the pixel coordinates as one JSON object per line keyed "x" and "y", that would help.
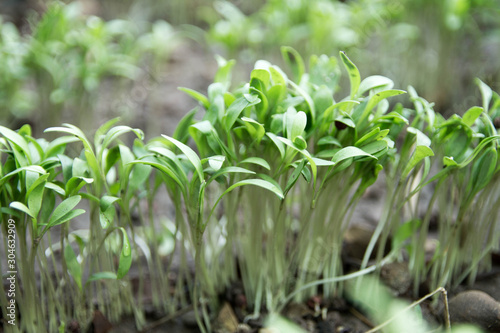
{"x": 263, "y": 185}
{"x": 56, "y": 73}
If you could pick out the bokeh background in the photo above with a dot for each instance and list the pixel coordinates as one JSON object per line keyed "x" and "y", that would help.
{"x": 87, "y": 61}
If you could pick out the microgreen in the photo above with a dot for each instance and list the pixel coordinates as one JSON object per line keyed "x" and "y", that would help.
{"x": 90, "y": 50}
{"x": 262, "y": 186}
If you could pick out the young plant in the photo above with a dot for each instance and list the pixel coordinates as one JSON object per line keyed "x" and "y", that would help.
{"x": 29, "y": 192}
{"x": 319, "y": 155}
{"x": 64, "y": 65}
{"x": 465, "y": 194}
{"x": 97, "y": 162}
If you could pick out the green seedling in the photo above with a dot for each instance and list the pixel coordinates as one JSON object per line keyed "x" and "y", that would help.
{"x": 284, "y": 132}
{"x": 29, "y": 192}
{"x": 91, "y": 51}
{"x": 263, "y": 185}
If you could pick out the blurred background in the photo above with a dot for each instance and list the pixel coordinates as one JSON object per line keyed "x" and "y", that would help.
{"x": 87, "y": 61}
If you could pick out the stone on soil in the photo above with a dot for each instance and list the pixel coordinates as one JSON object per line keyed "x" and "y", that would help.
{"x": 476, "y": 307}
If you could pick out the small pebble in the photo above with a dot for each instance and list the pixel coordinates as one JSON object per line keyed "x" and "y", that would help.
{"x": 476, "y": 307}
{"x": 244, "y": 328}
{"x": 325, "y": 326}
{"x": 189, "y": 319}
{"x": 396, "y": 276}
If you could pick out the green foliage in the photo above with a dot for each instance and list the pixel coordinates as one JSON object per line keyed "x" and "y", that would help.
{"x": 415, "y": 42}
{"x": 263, "y": 184}
{"x": 63, "y": 64}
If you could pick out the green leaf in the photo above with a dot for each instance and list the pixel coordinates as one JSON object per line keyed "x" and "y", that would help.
{"x": 449, "y": 162}
{"x": 73, "y": 265}
{"x": 307, "y": 98}
{"x": 278, "y": 76}
{"x": 223, "y": 74}
{"x": 262, "y": 107}
{"x": 375, "y": 148}
{"x": 274, "y": 138}
{"x": 39, "y": 180}
{"x": 125, "y": 256}
{"x": 263, "y": 78}
{"x": 486, "y": 93}
{"x": 22, "y": 207}
{"x": 306, "y": 154}
{"x": 197, "y": 96}
{"x": 276, "y": 323}
{"x": 235, "y": 109}
{"x": 105, "y": 128}
{"x": 117, "y": 131}
{"x": 165, "y": 168}
{"x": 300, "y": 142}
{"x": 181, "y": 132}
{"x": 275, "y": 95}
{"x": 101, "y": 276}
{"x": 67, "y": 166}
{"x": 294, "y": 61}
{"x": 216, "y": 162}
{"x": 295, "y": 176}
{"x": 347, "y": 121}
{"x": 329, "y": 140}
{"x": 257, "y": 182}
{"x": 34, "y": 196}
{"x": 73, "y": 130}
{"x": 56, "y": 146}
{"x": 322, "y": 99}
{"x": 483, "y": 144}
{"x": 254, "y": 128}
{"x": 421, "y": 139}
{"x": 190, "y": 154}
{"x": 69, "y": 216}
{"x": 298, "y": 125}
{"x": 16, "y": 139}
{"x": 258, "y": 161}
{"x": 392, "y": 118}
{"x": 76, "y": 183}
{"x": 368, "y": 136}
{"x": 352, "y": 70}
{"x": 49, "y": 202}
{"x": 418, "y": 155}
{"x": 56, "y": 188}
{"x": 93, "y": 165}
{"x": 206, "y": 139}
{"x": 32, "y": 168}
{"x": 350, "y": 152}
{"x": 374, "y": 81}
{"x": 227, "y": 170}
{"x": 80, "y": 168}
{"x": 126, "y": 155}
{"x": 376, "y": 98}
{"x": 471, "y": 115}
{"x": 322, "y": 162}
{"x": 483, "y": 169}
{"x": 64, "y": 208}
{"x": 107, "y": 210}
{"x": 139, "y": 176}
{"x": 405, "y": 231}
{"x": 344, "y": 106}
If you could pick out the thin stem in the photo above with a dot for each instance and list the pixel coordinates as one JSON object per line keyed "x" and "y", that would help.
{"x": 414, "y": 304}
{"x": 346, "y": 277}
